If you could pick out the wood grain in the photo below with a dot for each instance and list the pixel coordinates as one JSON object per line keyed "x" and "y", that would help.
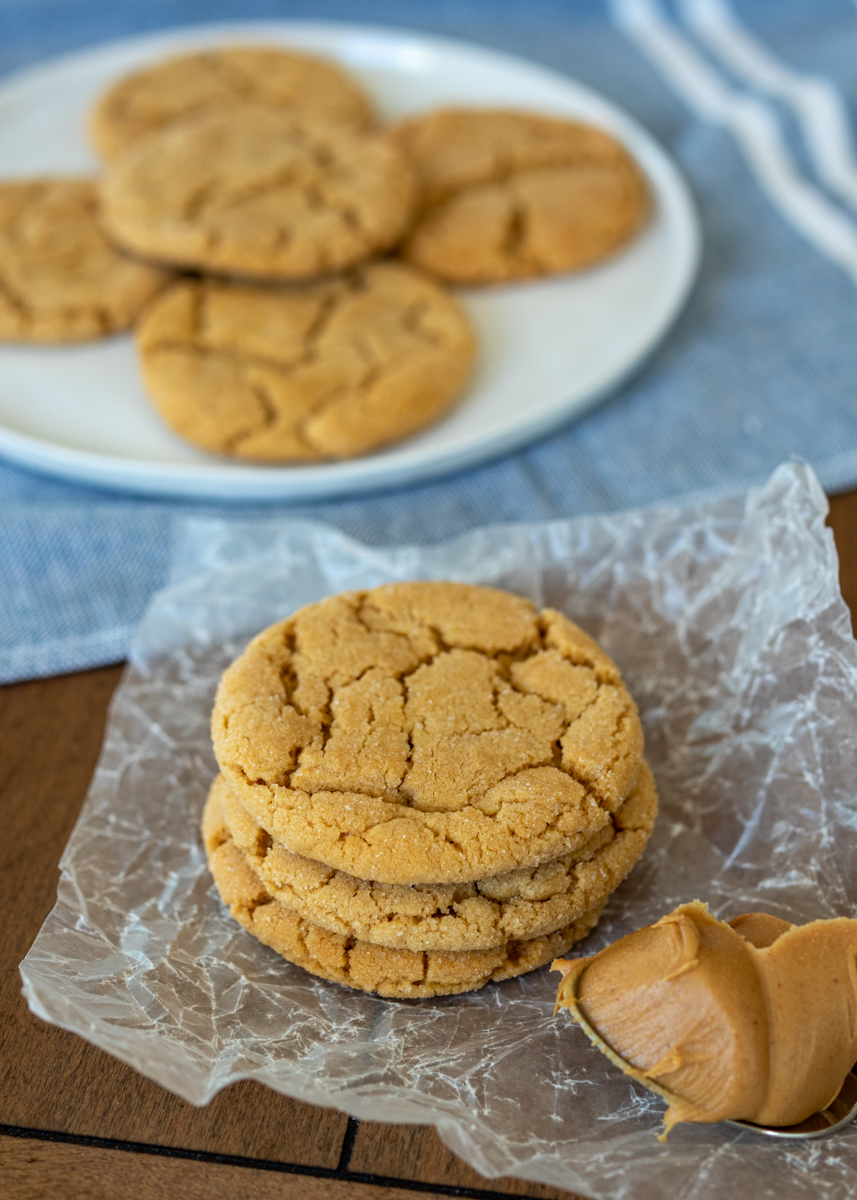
{"x": 416, "y": 1152}
{"x": 33, "y": 1170}
{"x": 51, "y": 732}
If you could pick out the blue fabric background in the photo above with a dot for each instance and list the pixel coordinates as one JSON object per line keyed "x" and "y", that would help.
{"x": 761, "y": 365}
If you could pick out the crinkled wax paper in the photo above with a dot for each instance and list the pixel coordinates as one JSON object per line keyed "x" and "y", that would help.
{"x": 726, "y": 619}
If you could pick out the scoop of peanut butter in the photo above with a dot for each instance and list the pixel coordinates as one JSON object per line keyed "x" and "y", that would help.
{"x": 754, "y": 1020}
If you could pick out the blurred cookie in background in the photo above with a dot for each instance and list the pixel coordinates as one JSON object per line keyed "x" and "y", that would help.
{"x": 61, "y": 280}
{"x": 216, "y": 80}
{"x": 297, "y": 374}
{"x": 259, "y": 193}
{"x": 512, "y": 195}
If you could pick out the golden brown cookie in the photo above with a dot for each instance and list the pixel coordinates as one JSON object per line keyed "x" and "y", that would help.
{"x": 427, "y": 732}
{"x": 362, "y": 965}
{"x": 214, "y": 80}
{"x": 60, "y": 278}
{"x": 521, "y": 904}
{"x": 330, "y": 370}
{"x": 511, "y": 195}
{"x": 259, "y": 193}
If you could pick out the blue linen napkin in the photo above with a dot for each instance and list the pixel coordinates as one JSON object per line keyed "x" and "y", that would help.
{"x": 761, "y": 365}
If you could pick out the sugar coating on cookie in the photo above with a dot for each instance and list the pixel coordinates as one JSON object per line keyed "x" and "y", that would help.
{"x": 60, "y": 278}
{"x": 214, "y": 80}
{"x": 521, "y": 904}
{"x": 512, "y": 195}
{"x": 427, "y": 732}
{"x": 258, "y": 193}
{"x": 395, "y": 973}
{"x": 330, "y": 370}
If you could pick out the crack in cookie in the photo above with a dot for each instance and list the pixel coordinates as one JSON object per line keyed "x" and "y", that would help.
{"x": 217, "y": 80}
{"x": 512, "y": 195}
{"x": 329, "y": 370}
{"x": 260, "y": 194}
{"x": 60, "y": 278}
{"x": 401, "y": 755}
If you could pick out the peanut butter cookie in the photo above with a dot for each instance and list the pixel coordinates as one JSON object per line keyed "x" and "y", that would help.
{"x": 217, "y": 80}
{"x": 369, "y": 968}
{"x": 521, "y": 904}
{"x": 60, "y": 278}
{"x": 512, "y": 195}
{"x": 330, "y": 370}
{"x": 259, "y": 193}
{"x": 427, "y": 732}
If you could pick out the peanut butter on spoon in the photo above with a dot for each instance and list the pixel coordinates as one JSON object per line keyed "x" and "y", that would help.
{"x": 753, "y": 1020}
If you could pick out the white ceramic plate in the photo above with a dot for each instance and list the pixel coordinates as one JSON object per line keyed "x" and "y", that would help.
{"x": 549, "y": 349}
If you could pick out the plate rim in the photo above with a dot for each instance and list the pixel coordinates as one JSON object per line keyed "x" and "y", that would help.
{"x": 404, "y": 463}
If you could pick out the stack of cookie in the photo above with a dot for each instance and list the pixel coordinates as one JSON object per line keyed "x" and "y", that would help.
{"x": 424, "y": 787}
{"x": 248, "y": 196}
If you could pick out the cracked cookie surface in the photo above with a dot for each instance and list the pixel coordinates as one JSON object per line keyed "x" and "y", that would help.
{"x": 395, "y": 973}
{"x": 521, "y": 904}
{"x": 261, "y": 194}
{"x": 513, "y": 195}
{"x": 217, "y": 79}
{"x": 427, "y": 732}
{"x": 329, "y": 370}
{"x": 60, "y": 278}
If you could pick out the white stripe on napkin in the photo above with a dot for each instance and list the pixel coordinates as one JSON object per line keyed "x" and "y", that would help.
{"x": 753, "y": 125}
{"x": 816, "y": 103}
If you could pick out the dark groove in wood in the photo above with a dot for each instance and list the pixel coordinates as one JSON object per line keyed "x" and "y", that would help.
{"x": 348, "y": 1144}
{"x": 256, "y": 1164}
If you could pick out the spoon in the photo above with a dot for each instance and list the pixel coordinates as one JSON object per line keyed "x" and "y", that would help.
{"x": 839, "y": 1113}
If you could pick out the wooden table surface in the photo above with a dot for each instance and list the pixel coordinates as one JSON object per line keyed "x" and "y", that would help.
{"x": 76, "y": 1123}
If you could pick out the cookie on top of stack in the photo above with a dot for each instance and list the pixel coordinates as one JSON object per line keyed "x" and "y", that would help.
{"x": 424, "y": 787}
